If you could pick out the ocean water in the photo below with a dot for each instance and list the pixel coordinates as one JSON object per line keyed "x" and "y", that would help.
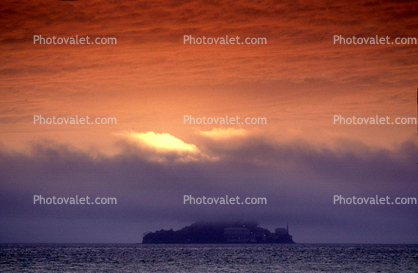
{"x": 207, "y": 258}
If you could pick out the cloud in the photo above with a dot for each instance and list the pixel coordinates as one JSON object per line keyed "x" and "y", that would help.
{"x": 219, "y": 133}
{"x": 298, "y": 180}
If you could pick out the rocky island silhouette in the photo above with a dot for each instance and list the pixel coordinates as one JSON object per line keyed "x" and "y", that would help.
{"x": 220, "y": 233}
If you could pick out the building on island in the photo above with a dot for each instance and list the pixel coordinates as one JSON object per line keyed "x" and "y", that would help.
{"x": 237, "y": 235}
{"x": 281, "y": 235}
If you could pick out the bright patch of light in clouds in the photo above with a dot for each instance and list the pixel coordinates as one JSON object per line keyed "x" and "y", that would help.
{"x": 163, "y": 142}
{"x": 217, "y": 133}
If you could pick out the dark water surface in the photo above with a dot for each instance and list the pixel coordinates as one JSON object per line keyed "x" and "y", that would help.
{"x": 207, "y": 258}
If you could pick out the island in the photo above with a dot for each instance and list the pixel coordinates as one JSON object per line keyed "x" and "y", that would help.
{"x": 220, "y": 233}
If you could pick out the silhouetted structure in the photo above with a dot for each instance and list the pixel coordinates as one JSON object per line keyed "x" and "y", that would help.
{"x": 219, "y": 233}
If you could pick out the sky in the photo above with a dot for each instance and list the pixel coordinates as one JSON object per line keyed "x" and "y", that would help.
{"x": 150, "y": 80}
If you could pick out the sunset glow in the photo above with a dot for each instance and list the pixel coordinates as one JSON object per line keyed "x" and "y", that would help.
{"x": 168, "y": 97}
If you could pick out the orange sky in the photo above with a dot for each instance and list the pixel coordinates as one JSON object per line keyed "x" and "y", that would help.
{"x": 150, "y": 79}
